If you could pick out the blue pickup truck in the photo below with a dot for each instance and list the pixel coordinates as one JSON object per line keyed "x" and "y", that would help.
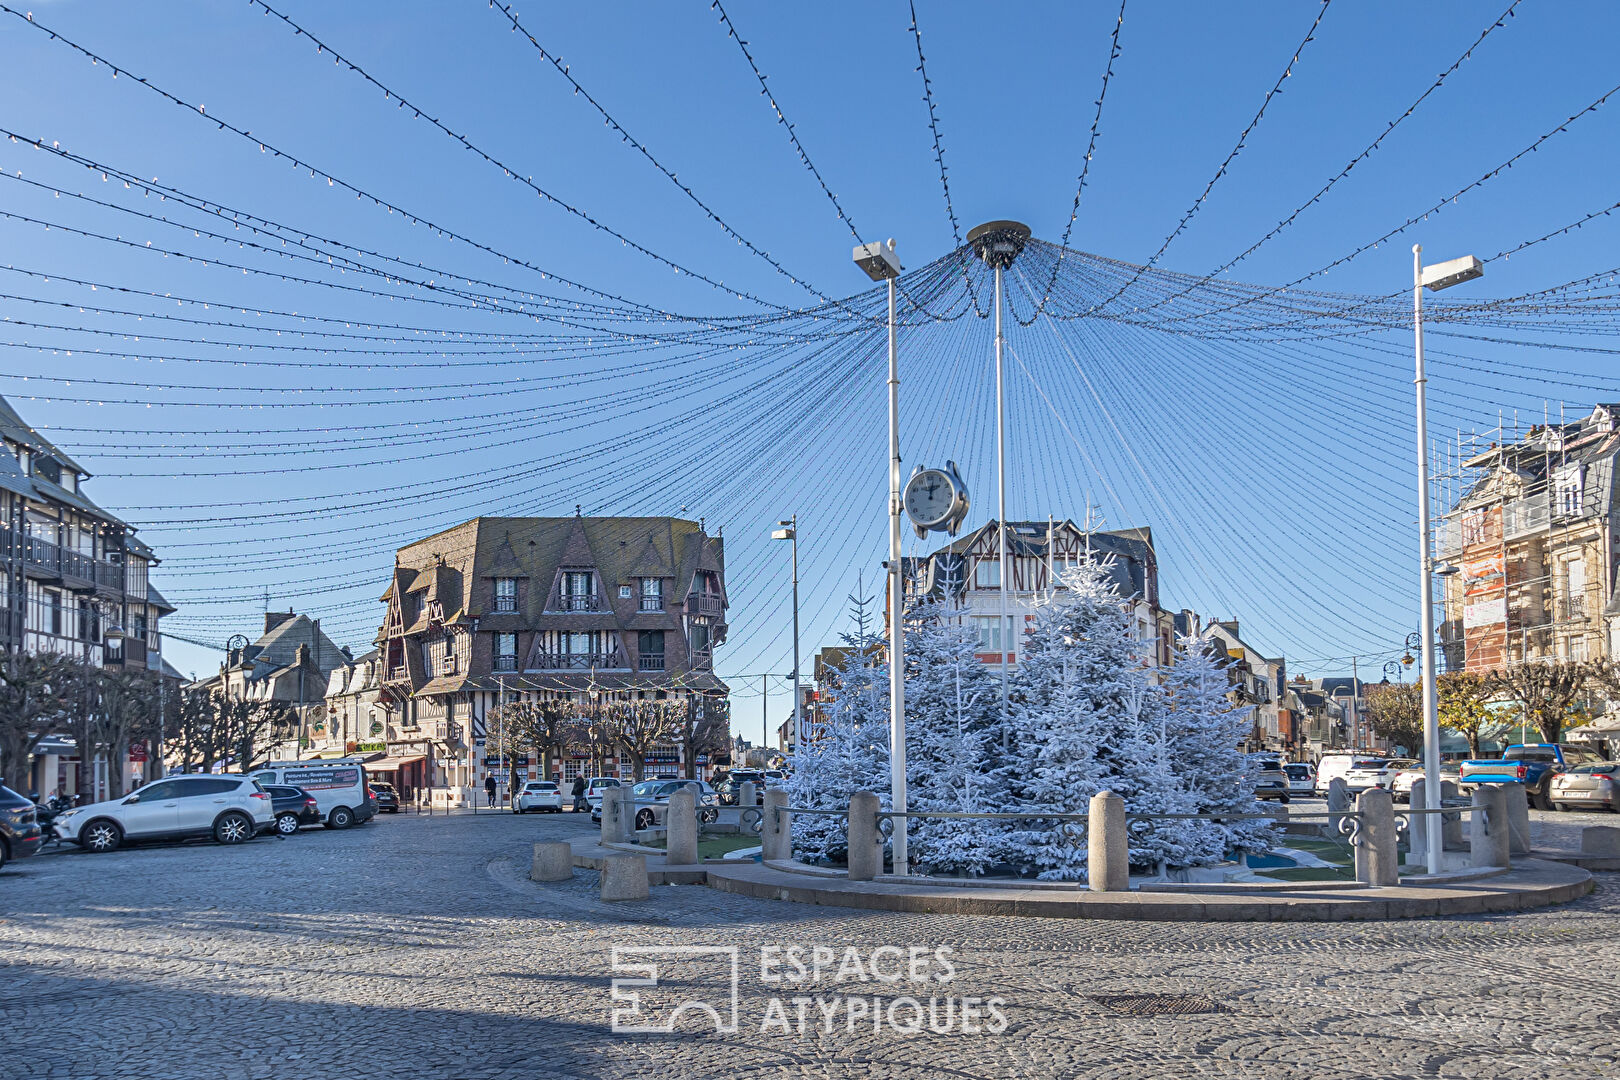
{"x": 1530, "y": 764}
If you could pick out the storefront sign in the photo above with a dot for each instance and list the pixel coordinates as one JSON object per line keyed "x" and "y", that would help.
{"x": 372, "y": 748}
{"x": 137, "y": 750}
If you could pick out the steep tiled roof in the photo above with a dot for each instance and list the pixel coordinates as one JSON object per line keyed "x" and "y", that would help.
{"x": 17, "y": 430}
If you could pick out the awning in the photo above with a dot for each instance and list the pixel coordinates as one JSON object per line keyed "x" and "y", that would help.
{"x": 392, "y": 764}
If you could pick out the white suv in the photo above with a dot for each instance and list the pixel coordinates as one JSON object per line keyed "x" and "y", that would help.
{"x": 230, "y": 809}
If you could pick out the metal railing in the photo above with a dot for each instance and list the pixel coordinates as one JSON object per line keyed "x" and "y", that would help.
{"x": 568, "y": 661}
{"x": 652, "y": 603}
{"x": 703, "y": 604}
{"x": 506, "y": 663}
{"x": 651, "y": 662}
{"x": 581, "y": 602}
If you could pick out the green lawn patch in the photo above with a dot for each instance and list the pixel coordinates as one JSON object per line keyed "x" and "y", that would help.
{"x": 1310, "y": 873}
{"x": 714, "y": 847}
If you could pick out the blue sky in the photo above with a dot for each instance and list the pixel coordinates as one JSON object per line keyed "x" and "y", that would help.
{"x": 1311, "y": 459}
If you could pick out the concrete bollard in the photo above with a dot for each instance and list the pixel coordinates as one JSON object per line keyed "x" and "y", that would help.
{"x": 1338, "y": 801}
{"x": 1108, "y": 846}
{"x": 1377, "y": 859}
{"x": 680, "y": 829}
{"x": 624, "y": 877}
{"x": 1488, "y": 831}
{"x": 776, "y": 830}
{"x": 749, "y": 796}
{"x": 865, "y": 844}
{"x": 1518, "y": 816}
{"x": 613, "y": 830}
{"x": 1417, "y": 836}
{"x": 1601, "y": 840}
{"x": 553, "y": 861}
{"x": 1451, "y": 835}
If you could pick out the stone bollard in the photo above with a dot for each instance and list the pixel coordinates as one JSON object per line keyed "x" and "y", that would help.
{"x": 1451, "y": 834}
{"x": 1338, "y": 801}
{"x": 613, "y": 824}
{"x": 1488, "y": 831}
{"x": 1108, "y": 845}
{"x": 1417, "y": 836}
{"x": 680, "y": 829}
{"x": 553, "y": 861}
{"x": 1377, "y": 859}
{"x": 1601, "y": 840}
{"x": 1518, "y": 815}
{"x": 776, "y": 830}
{"x": 749, "y": 796}
{"x": 865, "y": 842}
{"x": 624, "y": 877}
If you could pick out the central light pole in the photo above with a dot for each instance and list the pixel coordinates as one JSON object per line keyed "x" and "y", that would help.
{"x": 999, "y": 243}
{"x": 881, "y": 264}
{"x": 1436, "y": 277}
{"x": 790, "y": 531}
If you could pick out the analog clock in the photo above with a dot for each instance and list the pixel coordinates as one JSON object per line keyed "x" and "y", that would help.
{"x": 935, "y": 500}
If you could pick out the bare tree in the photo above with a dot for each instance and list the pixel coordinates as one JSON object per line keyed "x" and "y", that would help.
{"x": 701, "y": 727}
{"x": 126, "y": 708}
{"x": 39, "y": 696}
{"x": 1395, "y": 712}
{"x": 1548, "y": 691}
{"x": 643, "y": 725}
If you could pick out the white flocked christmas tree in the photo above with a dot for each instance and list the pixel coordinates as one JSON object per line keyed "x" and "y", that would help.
{"x": 847, "y": 748}
{"x": 953, "y": 705}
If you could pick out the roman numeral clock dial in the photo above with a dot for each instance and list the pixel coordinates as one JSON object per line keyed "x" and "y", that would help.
{"x": 935, "y": 500}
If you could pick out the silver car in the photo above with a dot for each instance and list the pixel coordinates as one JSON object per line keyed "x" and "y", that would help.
{"x": 1270, "y": 782}
{"x": 1587, "y": 787}
{"x": 1370, "y": 773}
{"x": 651, "y": 799}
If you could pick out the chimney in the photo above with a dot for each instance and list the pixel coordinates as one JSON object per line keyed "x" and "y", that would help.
{"x": 273, "y": 619}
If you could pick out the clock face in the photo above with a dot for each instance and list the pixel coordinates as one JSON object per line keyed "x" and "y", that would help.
{"x": 929, "y": 497}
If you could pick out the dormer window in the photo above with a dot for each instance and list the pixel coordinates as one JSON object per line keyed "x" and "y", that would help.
{"x": 506, "y": 594}
{"x": 47, "y": 468}
{"x": 578, "y": 590}
{"x": 652, "y": 594}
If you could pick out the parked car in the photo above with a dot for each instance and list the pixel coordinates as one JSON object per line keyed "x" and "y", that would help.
{"x": 1335, "y": 763}
{"x": 1530, "y": 764}
{"x": 386, "y": 796}
{"x": 538, "y": 795}
{"x": 20, "y": 834}
{"x": 594, "y": 788}
{"x": 652, "y": 802}
{"x": 730, "y": 789}
{"x": 231, "y": 809}
{"x": 1593, "y": 786}
{"x": 1301, "y": 777}
{"x": 1400, "y": 788}
{"x": 339, "y": 788}
{"x": 294, "y": 807}
{"x": 1370, "y": 773}
{"x": 1271, "y": 782}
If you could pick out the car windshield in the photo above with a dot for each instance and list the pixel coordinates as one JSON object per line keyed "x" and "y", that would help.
{"x": 647, "y": 787}
{"x": 543, "y": 787}
{"x": 1271, "y": 766}
{"x": 1607, "y": 768}
{"x": 1368, "y": 763}
{"x": 1299, "y": 772}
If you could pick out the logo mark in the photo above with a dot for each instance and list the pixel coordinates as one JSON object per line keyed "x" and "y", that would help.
{"x": 700, "y": 975}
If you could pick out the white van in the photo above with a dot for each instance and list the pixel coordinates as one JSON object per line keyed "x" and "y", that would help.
{"x": 1339, "y": 762}
{"x": 339, "y": 788}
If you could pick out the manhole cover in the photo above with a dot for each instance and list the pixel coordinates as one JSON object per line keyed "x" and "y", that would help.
{"x": 1156, "y": 1004}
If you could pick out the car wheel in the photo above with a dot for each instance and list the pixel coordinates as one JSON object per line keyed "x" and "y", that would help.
{"x": 286, "y": 824}
{"x": 1540, "y": 801}
{"x": 1282, "y": 798}
{"x": 341, "y": 818}
{"x": 100, "y": 836}
{"x": 233, "y": 828}
{"x": 709, "y": 816}
{"x": 5, "y": 853}
{"x": 644, "y": 819}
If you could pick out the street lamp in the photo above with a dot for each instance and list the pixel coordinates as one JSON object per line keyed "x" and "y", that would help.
{"x": 1436, "y": 277}
{"x": 999, "y": 243}
{"x": 882, "y": 264}
{"x": 790, "y": 531}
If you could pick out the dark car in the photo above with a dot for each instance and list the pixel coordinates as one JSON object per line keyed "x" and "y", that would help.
{"x": 294, "y": 807}
{"x": 20, "y": 834}
{"x": 730, "y": 789}
{"x": 386, "y": 796}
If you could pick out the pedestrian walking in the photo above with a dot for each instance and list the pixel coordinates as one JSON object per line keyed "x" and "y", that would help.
{"x": 579, "y": 794}
{"x": 489, "y": 790}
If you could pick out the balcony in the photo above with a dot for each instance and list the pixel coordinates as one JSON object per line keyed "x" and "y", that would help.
{"x": 571, "y": 661}
{"x": 1572, "y": 608}
{"x": 652, "y": 603}
{"x": 704, "y": 604}
{"x": 581, "y": 602}
{"x": 506, "y": 603}
{"x": 1526, "y": 517}
{"x": 505, "y": 663}
{"x": 65, "y": 564}
{"x": 651, "y": 662}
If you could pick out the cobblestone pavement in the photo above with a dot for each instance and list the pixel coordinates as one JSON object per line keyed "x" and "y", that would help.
{"x": 416, "y": 947}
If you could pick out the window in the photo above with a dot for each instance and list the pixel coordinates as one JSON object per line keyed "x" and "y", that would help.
{"x": 579, "y": 643}
{"x": 652, "y": 594}
{"x": 987, "y": 574}
{"x": 989, "y": 632}
{"x": 624, "y": 592}
{"x": 700, "y": 638}
{"x": 140, "y": 628}
{"x": 190, "y": 789}
{"x": 506, "y": 594}
{"x": 448, "y": 665}
{"x": 1569, "y": 482}
{"x": 163, "y": 789}
{"x": 56, "y": 612}
{"x": 505, "y": 652}
{"x": 578, "y": 589}
{"x": 650, "y": 647}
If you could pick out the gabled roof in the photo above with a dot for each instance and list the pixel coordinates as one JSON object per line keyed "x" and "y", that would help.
{"x": 12, "y": 478}
{"x": 155, "y": 599}
{"x": 13, "y": 427}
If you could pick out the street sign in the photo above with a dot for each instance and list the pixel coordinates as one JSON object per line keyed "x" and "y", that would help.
{"x": 137, "y": 750}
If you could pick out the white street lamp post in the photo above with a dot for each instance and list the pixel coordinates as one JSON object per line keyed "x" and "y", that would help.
{"x": 1436, "y": 277}
{"x": 790, "y": 531}
{"x": 881, "y": 264}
